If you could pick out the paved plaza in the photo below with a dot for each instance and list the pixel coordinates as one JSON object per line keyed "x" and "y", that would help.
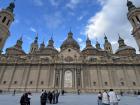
{"x": 67, "y": 99}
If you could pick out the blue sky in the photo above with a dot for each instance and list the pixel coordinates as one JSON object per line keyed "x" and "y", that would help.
{"x": 55, "y": 17}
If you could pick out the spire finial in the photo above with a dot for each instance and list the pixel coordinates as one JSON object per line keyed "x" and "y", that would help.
{"x": 11, "y": 6}
{"x": 70, "y": 29}
{"x": 52, "y": 36}
{"x": 21, "y": 37}
{"x": 87, "y": 37}
{"x": 130, "y": 5}
{"x": 36, "y": 34}
{"x": 119, "y": 35}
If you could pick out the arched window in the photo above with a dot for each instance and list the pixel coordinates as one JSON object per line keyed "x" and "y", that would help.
{"x": 8, "y": 22}
{"x": 4, "y": 82}
{"x": 4, "y": 19}
{"x": 122, "y": 83}
{"x": 42, "y": 82}
{"x": 106, "y": 83}
{"x": 138, "y": 19}
{"x": 94, "y": 83}
{"x": 31, "y": 82}
{"x": 15, "y": 82}
{"x": 134, "y": 83}
{"x": 133, "y": 21}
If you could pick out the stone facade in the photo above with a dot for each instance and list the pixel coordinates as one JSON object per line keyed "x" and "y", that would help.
{"x": 90, "y": 70}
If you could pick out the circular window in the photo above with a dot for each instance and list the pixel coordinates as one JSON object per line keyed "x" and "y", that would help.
{"x": 69, "y": 50}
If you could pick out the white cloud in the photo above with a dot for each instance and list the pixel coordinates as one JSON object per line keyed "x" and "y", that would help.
{"x": 112, "y": 19}
{"x": 72, "y": 4}
{"x": 38, "y": 2}
{"x": 81, "y": 43}
{"x": 80, "y": 40}
{"x": 33, "y": 29}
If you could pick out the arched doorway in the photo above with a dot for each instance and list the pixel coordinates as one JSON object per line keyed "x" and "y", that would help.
{"x": 68, "y": 79}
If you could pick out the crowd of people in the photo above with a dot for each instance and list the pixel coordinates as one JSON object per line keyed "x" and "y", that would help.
{"x": 108, "y": 98}
{"x": 46, "y": 97}
{"x": 25, "y": 98}
{"x": 50, "y": 97}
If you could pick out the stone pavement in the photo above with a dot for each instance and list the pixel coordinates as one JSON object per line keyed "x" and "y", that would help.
{"x": 67, "y": 99}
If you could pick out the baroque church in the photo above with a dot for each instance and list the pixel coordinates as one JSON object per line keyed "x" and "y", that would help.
{"x": 90, "y": 70}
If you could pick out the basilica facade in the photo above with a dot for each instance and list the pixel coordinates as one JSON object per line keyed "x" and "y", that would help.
{"x": 90, "y": 70}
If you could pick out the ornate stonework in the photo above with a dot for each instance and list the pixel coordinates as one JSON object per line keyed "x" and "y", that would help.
{"x": 91, "y": 69}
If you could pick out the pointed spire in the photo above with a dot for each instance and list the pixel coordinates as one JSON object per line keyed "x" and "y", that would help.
{"x": 36, "y": 39}
{"x": 88, "y": 42}
{"x": 130, "y": 5}
{"x": 121, "y": 42}
{"x": 97, "y": 44}
{"x": 87, "y": 37}
{"x": 19, "y": 43}
{"x": 11, "y": 6}
{"x": 105, "y": 38}
{"x": 21, "y": 38}
{"x": 42, "y": 45}
{"x": 70, "y": 34}
{"x": 51, "y": 43}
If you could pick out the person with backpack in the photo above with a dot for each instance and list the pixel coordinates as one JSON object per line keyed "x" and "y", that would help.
{"x": 99, "y": 98}
{"x": 105, "y": 98}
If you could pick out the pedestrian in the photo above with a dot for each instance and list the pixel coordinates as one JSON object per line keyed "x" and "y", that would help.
{"x": 57, "y": 96}
{"x": 105, "y": 98}
{"x": 53, "y": 97}
{"x": 14, "y": 92}
{"x": 50, "y": 97}
{"x": 113, "y": 97}
{"x": 29, "y": 96}
{"x": 43, "y": 99}
{"x": 62, "y": 92}
{"x": 78, "y": 91}
{"x": 24, "y": 99}
{"x": 99, "y": 98}
{"x": 121, "y": 93}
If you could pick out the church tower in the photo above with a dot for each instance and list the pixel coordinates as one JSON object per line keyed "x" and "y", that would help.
{"x": 107, "y": 45}
{"x": 6, "y": 18}
{"x": 134, "y": 18}
{"x": 34, "y": 46}
{"x": 88, "y": 42}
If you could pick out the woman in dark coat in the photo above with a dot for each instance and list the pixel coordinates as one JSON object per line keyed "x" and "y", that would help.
{"x": 43, "y": 98}
{"x": 50, "y": 96}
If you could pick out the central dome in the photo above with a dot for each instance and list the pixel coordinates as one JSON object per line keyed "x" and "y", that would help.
{"x": 70, "y": 42}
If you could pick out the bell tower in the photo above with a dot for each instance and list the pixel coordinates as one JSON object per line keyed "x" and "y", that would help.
{"x": 134, "y": 18}
{"x": 6, "y": 18}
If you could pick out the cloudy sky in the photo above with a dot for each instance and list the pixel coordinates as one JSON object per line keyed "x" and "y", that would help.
{"x": 56, "y": 17}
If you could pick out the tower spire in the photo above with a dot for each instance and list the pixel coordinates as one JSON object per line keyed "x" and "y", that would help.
{"x": 130, "y": 5}
{"x": 11, "y": 6}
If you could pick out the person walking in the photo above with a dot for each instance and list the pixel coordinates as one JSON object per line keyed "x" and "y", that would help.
{"x": 78, "y": 91}
{"x": 113, "y": 97}
{"x": 57, "y": 96}
{"x": 50, "y": 97}
{"x": 99, "y": 98}
{"x": 105, "y": 98}
{"x": 43, "y": 99}
{"x": 62, "y": 92}
{"x": 53, "y": 97}
{"x": 24, "y": 99}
